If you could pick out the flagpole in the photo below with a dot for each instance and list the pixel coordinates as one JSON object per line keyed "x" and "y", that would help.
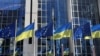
{"x": 54, "y": 43}
{"x": 93, "y": 47}
{"x": 33, "y": 34}
{"x": 14, "y": 51}
{"x": 91, "y": 41}
{"x": 62, "y": 49}
{"x": 53, "y": 32}
{"x": 71, "y": 43}
{"x": 58, "y": 43}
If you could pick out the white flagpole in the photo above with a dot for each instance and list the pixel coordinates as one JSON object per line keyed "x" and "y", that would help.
{"x": 53, "y": 33}
{"x": 93, "y": 47}
{"x": 62, "y": 49}
{"x": 34, "y": 39}
{"x": 14, "y": 51}
{"x": 91, "y": 40}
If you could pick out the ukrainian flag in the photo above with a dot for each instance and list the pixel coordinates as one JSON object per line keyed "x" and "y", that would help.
{"x": 96, "y": 31}
{"x": 25, "y": 33}
{"x": 62, "y": 32}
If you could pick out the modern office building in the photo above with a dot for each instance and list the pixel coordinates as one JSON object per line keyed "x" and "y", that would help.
{"x": 42, "y": 12}
{"x": 10, "y": 10}
{"x": 79, "y": 10}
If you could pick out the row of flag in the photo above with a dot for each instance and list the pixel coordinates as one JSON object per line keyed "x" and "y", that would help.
{"x": 83, "y": 31}
{"x": 10, "y": 30}
{"x": 62, "y": 32}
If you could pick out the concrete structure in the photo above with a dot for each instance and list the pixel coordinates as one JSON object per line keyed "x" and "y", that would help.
{"x": 31, "y": 9}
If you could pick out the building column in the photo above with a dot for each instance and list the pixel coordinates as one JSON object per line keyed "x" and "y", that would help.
{"x": 30, "y": 49}
{"x": 26, "y": 47}
{"x": 34, "y": 19}
{"x": 99, "y": 7}
{"x": 71, "y": 40}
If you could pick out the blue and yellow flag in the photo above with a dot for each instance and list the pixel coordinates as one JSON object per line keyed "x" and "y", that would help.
{"x": 63, "y": 31}
{"x": 25, "y": 33}
{"x": 96, "y": 31}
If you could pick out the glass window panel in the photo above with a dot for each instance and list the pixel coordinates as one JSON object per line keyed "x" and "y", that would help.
{"x": 44, "y": 13}
{"x": 75, "y": 14}
{"x": 10, "y": 13}
{"x": 39, "y": 1}
{"x": 80, "y": 14}
{"x": 39, "y": 55}
{"x": 39, "y": 49}
{"x": 75, "y": 2}
{"x": 78, "y": 49}
{"x": 1, "y": 13}
{"x": 44, "y": 6}
{"x": 39, "y": 26}
{"x": 78, "y": 42}
{"x": 39, "y": 19}
{"x": 39, "y": 5}
{"x": 39, "y": 13}
{"x": 74, "y": 7}
{"x": 44, "y": 19}
{"x": 79, "y": 1}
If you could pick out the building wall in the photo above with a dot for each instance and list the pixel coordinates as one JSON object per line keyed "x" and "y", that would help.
{"x": 70, "y": 19}
{"x": 80, "y": 10}
{"x": 8, "y": 15}
{"x": 51, "y": 11}
{"x": 30, "y": 49}
{"x": 42, "y": 12}
{"x": 99, "y": 7}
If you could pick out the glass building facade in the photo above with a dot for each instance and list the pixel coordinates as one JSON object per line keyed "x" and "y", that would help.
{"x": 55, "y": 11}
{"x": 51, "y": 11}
{"x": 10, "y": 10}
{"x": 83, "y": 10}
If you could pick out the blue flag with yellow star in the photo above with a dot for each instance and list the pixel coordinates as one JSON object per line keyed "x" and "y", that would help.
{"x": 8, "y": 31}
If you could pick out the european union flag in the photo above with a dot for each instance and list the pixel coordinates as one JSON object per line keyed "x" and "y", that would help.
{"x": 8, "y": 31}
{"x": 78, "y": 32}
{"x": 45, "y": 31}
{"x": 86, "y": 29}
{"x": 82, "y": 31}
{"x": 0, "y": 33}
